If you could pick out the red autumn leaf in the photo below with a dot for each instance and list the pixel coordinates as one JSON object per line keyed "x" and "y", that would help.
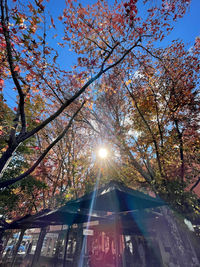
{"x": 47, "y": 52}
{"x": 52, "y": 22}
{"x": 1, "y": 84}
{"x": 17, "y": 69}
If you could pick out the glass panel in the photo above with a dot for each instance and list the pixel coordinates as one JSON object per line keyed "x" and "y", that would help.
{"x": 34, "y": 243}
{"x": 49, "y": 245}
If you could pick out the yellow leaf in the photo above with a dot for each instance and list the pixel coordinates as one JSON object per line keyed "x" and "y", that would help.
{"x": 16, "y": 191}
{"x": 128, "y": 82}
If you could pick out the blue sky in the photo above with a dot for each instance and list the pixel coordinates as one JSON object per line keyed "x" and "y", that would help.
{"x": 187, "y": 29}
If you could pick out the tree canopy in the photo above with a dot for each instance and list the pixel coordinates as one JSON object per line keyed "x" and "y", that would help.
{"x": 124, "y": 91}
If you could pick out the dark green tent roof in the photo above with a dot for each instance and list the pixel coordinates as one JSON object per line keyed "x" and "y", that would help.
{"x": 66, "y": 216}
{"x": 27, "y": 221}
{"x": 46, "y": 217}
{"x": 115, "y": 197}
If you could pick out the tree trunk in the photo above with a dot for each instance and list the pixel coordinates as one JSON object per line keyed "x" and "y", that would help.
{"x": 6, "y": 158}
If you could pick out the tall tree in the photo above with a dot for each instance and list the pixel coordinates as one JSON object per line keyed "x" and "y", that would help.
{"x": 152, "y": 115}
{"x": 20, "y": 198}
{"x": 102, "y": 43}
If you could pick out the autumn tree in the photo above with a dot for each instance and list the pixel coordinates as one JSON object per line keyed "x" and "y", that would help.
{"x": 63, "y": 167}
{"x": 101, "y": 34}
{"x": 21, "y": 197}
{"x": 152, "y": 115}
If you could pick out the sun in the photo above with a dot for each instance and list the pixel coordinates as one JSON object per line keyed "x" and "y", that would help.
{"x": 103, "y": 153}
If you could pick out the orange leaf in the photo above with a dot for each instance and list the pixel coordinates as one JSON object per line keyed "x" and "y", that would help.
{"x": 52, "y": 22}
{"x": 17, "y": 69}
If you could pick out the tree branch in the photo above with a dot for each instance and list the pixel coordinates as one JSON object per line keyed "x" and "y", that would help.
{"x": 148, "y": 127}
{"x": 31, "y": 169}
{"x": 180, "y": 134}
{"x": 4, "y": 22}
{"x": 195, "y": 185}
{"x": 124, "y": 55}
{"x": 125, "y": 148}
{"x": 76, "y": 95}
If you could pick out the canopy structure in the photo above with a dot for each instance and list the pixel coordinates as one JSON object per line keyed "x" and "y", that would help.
{"x": 67, "y": 216}
{"x": 123, "y": 218}
{"x": 115, "y": 197}
{"x": 63, "y": 216}
{"x": 3, "y": 224}
{"x": 27, "y": 221}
